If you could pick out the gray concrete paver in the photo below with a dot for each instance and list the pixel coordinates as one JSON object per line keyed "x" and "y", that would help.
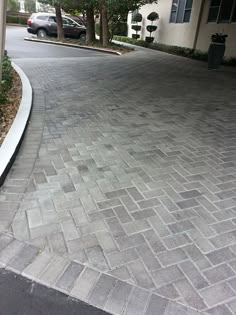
{"x": 127, "y": 159}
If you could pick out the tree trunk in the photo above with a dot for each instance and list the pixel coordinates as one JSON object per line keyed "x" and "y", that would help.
{"x": 60, "y": 31}
{"x": 105, "y": 29}
{"x": 101, "y": 36}
{"x": 90, "y": 32}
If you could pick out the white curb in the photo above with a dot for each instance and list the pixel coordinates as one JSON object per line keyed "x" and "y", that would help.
{"x": 9, "y": 147}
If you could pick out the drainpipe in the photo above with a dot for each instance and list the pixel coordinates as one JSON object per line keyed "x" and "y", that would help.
{"x": 2, "y": 32}
{"x": 198, "y": 24}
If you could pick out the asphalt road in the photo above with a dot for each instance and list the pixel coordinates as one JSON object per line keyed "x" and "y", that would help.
{"x": 19, "y": 296}
{"x": 17, "y": 47}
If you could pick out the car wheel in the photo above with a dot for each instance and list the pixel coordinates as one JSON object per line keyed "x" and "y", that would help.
{"x": 42, "y": 34}
{"x": 82, "y": 37}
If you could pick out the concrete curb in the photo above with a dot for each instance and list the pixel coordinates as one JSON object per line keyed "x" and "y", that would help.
{"x": 11, "y": 143}
{"x": 107, "y": 51}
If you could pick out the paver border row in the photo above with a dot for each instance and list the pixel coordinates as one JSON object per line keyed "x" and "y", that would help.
{"x": 60, "y": 273}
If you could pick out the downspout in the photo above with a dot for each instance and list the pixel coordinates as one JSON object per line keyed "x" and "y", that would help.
{"x": 198, "y": 24}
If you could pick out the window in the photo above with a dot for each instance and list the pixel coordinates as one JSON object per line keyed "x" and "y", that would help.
{"x": 187, "y": 10}
{"x": 225, "y": 10}
{"x": 42, "y": 17}
{"x": 174, "y": 10}
{"x": 222, "y": 11}
{"x": 234, "y": 14}
{"x": 52, "y": 19}
{"x": 181, "y": 11}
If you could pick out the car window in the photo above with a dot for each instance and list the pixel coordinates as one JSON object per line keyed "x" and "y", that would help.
{"x": 68, "y": 21}
{"x": 52, "y": 19}
{"x": 42, "y": 17}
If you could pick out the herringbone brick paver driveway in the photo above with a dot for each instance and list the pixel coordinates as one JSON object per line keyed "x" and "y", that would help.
{"x": 126, "y": 181}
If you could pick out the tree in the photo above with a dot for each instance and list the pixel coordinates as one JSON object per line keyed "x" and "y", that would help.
{"x": 13, "y": 5}
{"x": 85, "y": 6}
{"x": 119, "y": 10}
{"x": 153, "y": 16}
{"x": 57, "y": 5}
{"x": 30, "y": 6}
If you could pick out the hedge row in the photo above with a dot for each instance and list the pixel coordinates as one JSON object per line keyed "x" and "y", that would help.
{"x": 16, "y": 19}
{"x": 175, "y": 50}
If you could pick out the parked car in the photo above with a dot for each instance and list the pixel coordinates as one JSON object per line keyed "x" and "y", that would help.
{"x": 44, "y": 24}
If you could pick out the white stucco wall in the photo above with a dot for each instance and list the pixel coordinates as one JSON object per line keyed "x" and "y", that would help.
{"x": 207, "y": 29}
{"x": 183, "y": 34}
{"x": 179, "y": 34}
{"x": 145, "y": 11}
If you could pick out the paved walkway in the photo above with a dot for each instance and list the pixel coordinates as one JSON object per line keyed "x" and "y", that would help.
{"x": 125, "y": 184}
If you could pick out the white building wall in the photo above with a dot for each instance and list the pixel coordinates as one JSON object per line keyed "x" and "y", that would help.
{"x": 207, "y": 29}
{"x": 183, "y": 34}
{"x": 177, "y": 34}
{"x": 145, "y": 11}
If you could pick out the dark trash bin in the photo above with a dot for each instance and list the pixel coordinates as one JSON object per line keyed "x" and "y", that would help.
{"x": 216, "y": 51}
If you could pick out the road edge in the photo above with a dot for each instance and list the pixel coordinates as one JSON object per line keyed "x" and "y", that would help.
{"x": 107, "y": 51}
{"x": 11, "y": 143}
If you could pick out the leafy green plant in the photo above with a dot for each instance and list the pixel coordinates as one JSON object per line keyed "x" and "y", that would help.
{"x": 7, "y": 80}
{"x": 153, "y": 16}
{"x": 219, "y": 38}
{"x": 137, "y": 18}
{"x": 15, "y": 19}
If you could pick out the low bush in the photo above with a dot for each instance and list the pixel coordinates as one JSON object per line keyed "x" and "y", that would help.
{"x": 17, "y": 19}
{"x": 6, "y": 82}
{"x": 118, "y": 28}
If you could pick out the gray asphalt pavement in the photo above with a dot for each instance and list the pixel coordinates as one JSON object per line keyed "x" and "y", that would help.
{"x": 18, "y": 48}
{"x": 20, "y": 296}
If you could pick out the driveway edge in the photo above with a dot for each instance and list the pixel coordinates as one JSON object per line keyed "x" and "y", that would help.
{"x": 107, "y": 51}
{"x": 38, "y": 262}
{"x": 11, "y": 144}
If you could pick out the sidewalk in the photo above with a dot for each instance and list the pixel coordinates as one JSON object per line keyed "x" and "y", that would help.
{"x": 125, "y": 184}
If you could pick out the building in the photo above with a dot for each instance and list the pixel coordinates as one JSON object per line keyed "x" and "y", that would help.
{"x": 190, "y": 23}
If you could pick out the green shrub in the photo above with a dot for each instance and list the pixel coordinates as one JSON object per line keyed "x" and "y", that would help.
{"x": 115, "y": 28}
{"x": 23, "y": 20}
{"x": 120, "y": 28}
{"x": 12, "y": 19}
{"x": 15, "y": 19}
{"x": 175, "y": 50}
{"x": 136, "y": 28}
{"x": 137, "y": 18}
{"x": 153, "y": 16}
{"x": 6, "y": 82}
{"x": 151, "y": 28}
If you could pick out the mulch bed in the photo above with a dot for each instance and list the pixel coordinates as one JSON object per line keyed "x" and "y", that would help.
{"x": 112, "y": 46}
{"x": 9, "y": 110}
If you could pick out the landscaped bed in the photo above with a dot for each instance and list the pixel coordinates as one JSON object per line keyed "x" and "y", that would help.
{"x": 112, "y": 47}
{"x": 10, "y": 97}
{"x": 174, "y": 50}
